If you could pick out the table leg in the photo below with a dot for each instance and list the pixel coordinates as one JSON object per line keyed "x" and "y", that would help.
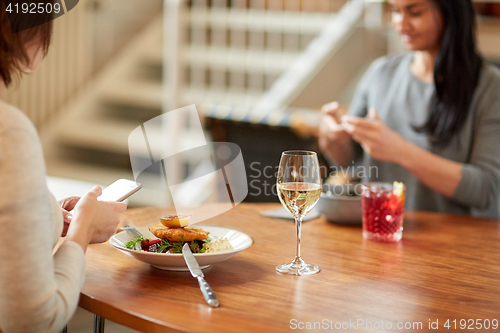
{"x": 98, "y": 324}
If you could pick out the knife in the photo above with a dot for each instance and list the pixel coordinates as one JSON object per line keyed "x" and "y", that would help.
{"x": 196, "y": 272}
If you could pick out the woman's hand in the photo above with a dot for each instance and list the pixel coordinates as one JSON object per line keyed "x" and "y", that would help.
{"x": 67, "y": 205}
{"x": 334, "y": 141}
{"x": 330, "y": 128}
{"x": 94, "y": 221}
{"x": 376, "y": 139}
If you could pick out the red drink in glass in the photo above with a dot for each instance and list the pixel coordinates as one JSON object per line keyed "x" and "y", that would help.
{"x": 382, "y": 206}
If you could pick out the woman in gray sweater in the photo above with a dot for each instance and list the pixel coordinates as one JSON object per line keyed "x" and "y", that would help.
{"x": 39, "y": 290}
{"x": 429, "y": 118}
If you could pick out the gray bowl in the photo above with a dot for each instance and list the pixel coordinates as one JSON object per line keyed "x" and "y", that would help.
{"x": 338, "y": 207}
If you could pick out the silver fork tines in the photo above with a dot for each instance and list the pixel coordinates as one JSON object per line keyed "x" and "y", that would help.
{"x": 131, "y": 230}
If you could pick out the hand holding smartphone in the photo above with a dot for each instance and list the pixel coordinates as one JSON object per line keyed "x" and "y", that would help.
{"x": 119, "y": 190}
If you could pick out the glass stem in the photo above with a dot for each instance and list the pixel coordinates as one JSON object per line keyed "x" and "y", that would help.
{"x": 298, "y": 226}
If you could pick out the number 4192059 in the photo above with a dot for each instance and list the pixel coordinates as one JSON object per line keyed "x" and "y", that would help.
{"x": 471, "y": 324}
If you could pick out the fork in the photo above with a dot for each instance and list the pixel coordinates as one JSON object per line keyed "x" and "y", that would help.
{"x": 132, "y": 230}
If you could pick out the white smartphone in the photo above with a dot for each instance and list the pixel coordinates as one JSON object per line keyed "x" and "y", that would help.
{"x": 119, "y": 190}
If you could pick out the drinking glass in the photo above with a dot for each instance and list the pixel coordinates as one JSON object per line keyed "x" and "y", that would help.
{"x": 299, "y": 188}
{"x": 382, "y": 207}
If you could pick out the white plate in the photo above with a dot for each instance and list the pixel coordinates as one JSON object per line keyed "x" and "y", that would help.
{"x": 175, "y": 261}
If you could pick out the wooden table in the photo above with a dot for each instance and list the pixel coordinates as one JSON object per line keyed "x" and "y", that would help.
{"x": 446, "y": 268}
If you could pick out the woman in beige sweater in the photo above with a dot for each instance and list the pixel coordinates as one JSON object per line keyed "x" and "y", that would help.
{"x": 39, "y": 291}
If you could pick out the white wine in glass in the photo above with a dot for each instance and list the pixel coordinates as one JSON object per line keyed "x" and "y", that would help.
{"x": 299, "y": 189}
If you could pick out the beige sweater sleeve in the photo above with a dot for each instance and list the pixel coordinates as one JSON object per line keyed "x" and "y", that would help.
{"x": 38, "y": 291}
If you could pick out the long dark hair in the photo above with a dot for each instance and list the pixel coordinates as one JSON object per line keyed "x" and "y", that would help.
{"x": 456, "y": 72}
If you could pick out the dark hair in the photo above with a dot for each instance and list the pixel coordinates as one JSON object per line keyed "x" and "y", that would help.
{"x": 456, "y": 72}
{"x": 14, "y": 41}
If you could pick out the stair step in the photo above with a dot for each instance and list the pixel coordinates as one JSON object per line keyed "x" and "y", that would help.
{"x": 231, "y": 58}
{"x": 148, "y": 95}
{"x": 137, "y": 93}
{"x": 258, "y": 20}
{"x": 117, "y": 109}
{"x": 239, "y": 60}
{"x": 204, "y": 98}
{"x": 100, "y": 133}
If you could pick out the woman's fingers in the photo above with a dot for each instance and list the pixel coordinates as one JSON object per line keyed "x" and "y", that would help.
{"x": 359, "y": 126}
{"x": 358, "y": 122}
{"x": 330, "y": 107}
{"x": 330, "y": 123}
{"x": 372, "y": 114}
{"x": 96, "y": 190}
{"x": 67, "y": 216}
{"x": 69, "y": 203}
{"x": 363, "y": 137}
{"x": 67, "y": 221}
{"x": 361, "y": 129}
{"x": 371, "y": 120}
{"x": 120, "y": 207}
{"x": 332, "y": 110}
{"x": 330, "y": 128}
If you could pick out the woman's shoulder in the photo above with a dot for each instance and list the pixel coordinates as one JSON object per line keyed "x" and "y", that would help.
{"x": 489, "y": 82}
{"x": 487, "y": 92}
{"x": 11, "y": 118}
{"x": 490, "y": 75}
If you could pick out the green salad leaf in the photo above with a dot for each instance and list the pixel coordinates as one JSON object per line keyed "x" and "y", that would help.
{"x": 132, "y": 244}
{"x": 164, "y": 246}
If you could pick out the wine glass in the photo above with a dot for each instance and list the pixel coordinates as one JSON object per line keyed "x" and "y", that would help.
{"x": 299, "y": 188}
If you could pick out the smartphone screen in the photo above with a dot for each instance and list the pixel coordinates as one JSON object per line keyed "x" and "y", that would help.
{"x": 119, "y": 190}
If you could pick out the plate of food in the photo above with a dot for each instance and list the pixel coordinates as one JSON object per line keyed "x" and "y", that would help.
{"x": 161, "y": 244}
